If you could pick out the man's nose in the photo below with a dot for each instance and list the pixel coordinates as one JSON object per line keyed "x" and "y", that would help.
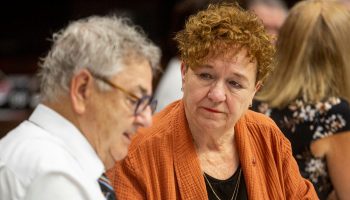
{"x": 144, "y": 119}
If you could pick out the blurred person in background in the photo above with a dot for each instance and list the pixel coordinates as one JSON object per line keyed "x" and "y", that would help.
{"x": 272, "y": 12}
{"x": 209, "y": 145}
{"x": 308, "y": 93}
{"x": 96, "y": 85}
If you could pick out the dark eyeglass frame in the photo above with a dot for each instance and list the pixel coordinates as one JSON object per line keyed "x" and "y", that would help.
{"x": 139, "y": 101}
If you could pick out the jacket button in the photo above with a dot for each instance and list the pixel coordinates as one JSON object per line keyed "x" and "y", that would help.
{"x": 254, "y": 161}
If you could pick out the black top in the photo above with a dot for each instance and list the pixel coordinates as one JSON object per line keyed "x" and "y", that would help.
{"x": 304, "y": 123}
{"x": 225, "y": 188}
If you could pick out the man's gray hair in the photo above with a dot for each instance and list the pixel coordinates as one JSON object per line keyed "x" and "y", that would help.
{"x": 102, "y": 45}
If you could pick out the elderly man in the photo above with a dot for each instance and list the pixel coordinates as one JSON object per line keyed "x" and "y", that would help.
{"x": 96, "y": 85}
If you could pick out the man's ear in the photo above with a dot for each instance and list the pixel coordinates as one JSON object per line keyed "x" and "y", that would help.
{"x": 80, "y": 90}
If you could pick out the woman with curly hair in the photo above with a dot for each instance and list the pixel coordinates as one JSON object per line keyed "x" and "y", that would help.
{"x": 308, "y": 93}
{"x": 209, "y": 145}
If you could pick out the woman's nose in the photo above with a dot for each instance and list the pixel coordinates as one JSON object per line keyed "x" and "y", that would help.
{"x": 217, "y": 93}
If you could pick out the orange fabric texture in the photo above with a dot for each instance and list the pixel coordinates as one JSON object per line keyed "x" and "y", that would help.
{"x": 162, "y": 162}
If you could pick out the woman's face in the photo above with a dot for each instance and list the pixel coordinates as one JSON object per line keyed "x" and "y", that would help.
{"x": 219, "y": 91}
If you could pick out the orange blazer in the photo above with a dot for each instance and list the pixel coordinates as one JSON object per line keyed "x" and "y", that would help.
{"x": 162, "y": 162}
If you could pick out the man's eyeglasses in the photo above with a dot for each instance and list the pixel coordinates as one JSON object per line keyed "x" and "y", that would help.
{"x": 140, "y": 103}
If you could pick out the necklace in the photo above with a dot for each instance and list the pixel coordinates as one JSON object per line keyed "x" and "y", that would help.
{"x": 235, "y": 191}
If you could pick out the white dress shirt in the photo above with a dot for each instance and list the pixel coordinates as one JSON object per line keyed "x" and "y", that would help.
{"x": 47, "y": 157}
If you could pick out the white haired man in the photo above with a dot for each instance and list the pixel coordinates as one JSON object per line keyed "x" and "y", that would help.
{"x": 96, "y": 85}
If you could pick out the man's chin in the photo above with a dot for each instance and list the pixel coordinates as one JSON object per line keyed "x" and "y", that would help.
{"x": 121, "y": 154}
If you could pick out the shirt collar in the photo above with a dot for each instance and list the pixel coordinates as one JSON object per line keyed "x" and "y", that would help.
{"x": 75, "y": 142}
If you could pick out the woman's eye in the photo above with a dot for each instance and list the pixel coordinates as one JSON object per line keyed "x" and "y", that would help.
{"x": 234, "y": 84}
{"x": 205, "y": 76}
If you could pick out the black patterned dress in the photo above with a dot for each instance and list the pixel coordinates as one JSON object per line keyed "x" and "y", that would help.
{"x": 304, "y": 123}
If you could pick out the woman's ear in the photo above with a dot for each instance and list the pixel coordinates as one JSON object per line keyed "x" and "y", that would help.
{"x": 183, "y": 72}
{"x": 258, "y": 86}
{"x": 80, "y": 90}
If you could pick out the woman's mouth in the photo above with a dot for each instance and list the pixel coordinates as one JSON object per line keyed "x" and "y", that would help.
{"x": 212, "y": 110}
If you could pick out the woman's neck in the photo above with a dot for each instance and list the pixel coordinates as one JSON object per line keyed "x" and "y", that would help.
{"x": 216, "y": 150}
{"x": 217, "y": 153}
{"x": 212, "y": 139}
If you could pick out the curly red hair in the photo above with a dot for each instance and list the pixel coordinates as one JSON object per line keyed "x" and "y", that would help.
{"x": 222, "y": 29}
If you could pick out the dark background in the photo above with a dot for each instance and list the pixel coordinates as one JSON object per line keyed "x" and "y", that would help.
{"x": 26, "y": 26}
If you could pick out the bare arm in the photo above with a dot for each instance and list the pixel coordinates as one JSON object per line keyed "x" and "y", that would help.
{"x": 336, "y": 149}
{"x": 338, "y": 161}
